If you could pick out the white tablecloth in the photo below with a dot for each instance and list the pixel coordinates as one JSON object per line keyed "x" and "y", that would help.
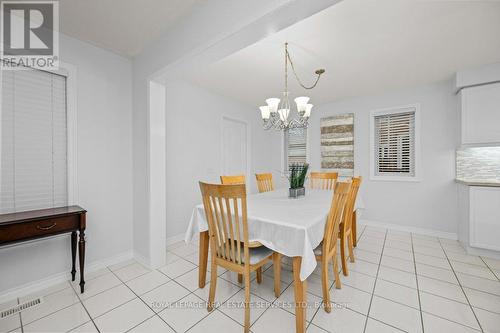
{"x": 292, "y": 227}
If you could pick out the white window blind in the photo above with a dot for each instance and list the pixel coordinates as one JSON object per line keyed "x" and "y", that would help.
{"x": 33, "y": 168}
{"x": 296, "y": 146}
{"x": 394, "y": 148}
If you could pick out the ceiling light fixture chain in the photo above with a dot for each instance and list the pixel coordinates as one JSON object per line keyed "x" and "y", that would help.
{"x": 318, "y": 72}
{"x": 276, "y": 113}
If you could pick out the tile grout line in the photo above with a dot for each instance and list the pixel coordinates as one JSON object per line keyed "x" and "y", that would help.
{"x": 83, "y": 305}
{"x": 20, "y": 318}
{"x": 318, "y": 327}
{"x": 375, "y": 283}
{"x": 222, "y": 312}
{"x": 418, "y": 289}
{"x": 461, "y": 287}
{"x": 373, "y": 294}
{"x": 492, "y": 271}
{"x": 433, "y": 266}
{"x": 101, "y": 292}
{"x": 408, "y": 306}
{"x": 53, "y": 312}
{"x": 272, "y": 304}
{"x": 330, "y": 288}
{"x": 268, "y": 268}
{"x": 193, "y": 293}
{"x": 154, "y": 312}
{"x": 451, "y": 321}
{"x": 391, "y": 325}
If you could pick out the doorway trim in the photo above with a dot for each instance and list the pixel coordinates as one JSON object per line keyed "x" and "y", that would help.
{"x": 248, "y": 138}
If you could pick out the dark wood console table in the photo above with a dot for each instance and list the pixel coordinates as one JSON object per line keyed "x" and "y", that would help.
{"x": 23, "y": 226}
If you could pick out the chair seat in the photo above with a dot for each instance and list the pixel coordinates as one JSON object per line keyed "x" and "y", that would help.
{"x": 319, "y": 249}
{"x": 257, "y": 254}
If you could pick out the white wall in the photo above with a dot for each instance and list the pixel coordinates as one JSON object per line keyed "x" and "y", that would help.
{"x": 193, "y": 122}
{"x": 194, "y": 42}
{"x": 430, "y": 203}
{"x": 104, "y": 167}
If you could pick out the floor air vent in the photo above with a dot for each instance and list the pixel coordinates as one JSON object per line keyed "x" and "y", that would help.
{"x": 20, "y": 307}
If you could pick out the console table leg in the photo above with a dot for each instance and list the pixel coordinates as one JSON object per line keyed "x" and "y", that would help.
{"x": 73, "y": 255}
{"x": 81, "y": 253}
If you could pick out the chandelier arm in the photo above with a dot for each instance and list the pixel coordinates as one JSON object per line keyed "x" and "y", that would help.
{"x": 279, "y": 118}
{"x": 318, "y": 73}
{"x": 296, "y": 123}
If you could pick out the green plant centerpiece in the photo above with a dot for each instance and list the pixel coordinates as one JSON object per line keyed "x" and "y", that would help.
{"x": 297, "y": 173}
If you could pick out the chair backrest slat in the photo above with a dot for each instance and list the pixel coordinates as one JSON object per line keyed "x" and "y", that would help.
{"x": 238, "y": 234}
{"x": 224, "y": 228}
{"x": 351, "y": 201}
{"x": 337, "y": 208}
{"x": 323, "y": 180}
{"x": 265, "y": 182}
{"x": 225, "y": 210}
{"x": 232, "y": 245}
{"x": 214, "y": 211}
{"x": 232, "y": 180}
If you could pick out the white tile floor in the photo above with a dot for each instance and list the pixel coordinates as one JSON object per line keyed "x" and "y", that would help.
{"x": 401, "y": 282}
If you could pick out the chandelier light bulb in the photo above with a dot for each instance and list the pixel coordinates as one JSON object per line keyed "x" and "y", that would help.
{"x": 308, "y": 109}
{"x": 301, "y": 104}
{"x": 265, "y": 112}
{"x": 273, "y": 103}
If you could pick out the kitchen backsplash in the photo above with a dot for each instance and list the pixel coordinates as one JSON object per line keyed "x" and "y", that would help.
{"x": 478, "y": 163}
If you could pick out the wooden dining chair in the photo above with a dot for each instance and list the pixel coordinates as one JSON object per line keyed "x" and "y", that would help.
{"x": 226, "y": 213}
{"x": 323, "y": 180}
{"x": 345, "y": 234}
{"x": 265, "y": 182}
{"x": 232, "y": 180}
{"x": 327, "y": 249}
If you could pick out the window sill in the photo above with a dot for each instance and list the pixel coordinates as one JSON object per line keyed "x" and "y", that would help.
{"x": 395, "y": 179}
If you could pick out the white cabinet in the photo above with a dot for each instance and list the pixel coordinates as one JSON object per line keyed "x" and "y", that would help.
{"x": 479, "y": 223}
{"x": 481, "y": 114}
{"x": 484, "y": 224}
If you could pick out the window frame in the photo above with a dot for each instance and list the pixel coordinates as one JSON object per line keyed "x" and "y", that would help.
{"x": 284, "y": 151}
{"x": 70, "y": 72}
{"x": 417, "y": 157}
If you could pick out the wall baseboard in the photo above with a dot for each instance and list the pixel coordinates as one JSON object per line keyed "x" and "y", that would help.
{"x": 422, "y": 231}
{"x": 175, "y": 239}
{"x": 41, "y": 284}
{"x": 481, "y": 252}
{"x": 142, "y": 260}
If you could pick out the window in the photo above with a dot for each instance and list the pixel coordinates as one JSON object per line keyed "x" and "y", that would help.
{"x": 394, "y": 143}
{"x": 295, "y": 146}
{"x": 34, "y": 141}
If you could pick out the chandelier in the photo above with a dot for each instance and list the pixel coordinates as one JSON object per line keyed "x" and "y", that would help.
{"x": 276, "y": 114}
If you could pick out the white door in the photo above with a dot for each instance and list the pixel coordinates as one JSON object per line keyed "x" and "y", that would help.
{"x": 234, "y": 147}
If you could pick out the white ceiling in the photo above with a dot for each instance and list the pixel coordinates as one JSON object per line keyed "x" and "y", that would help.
{"x": 122, "y": 26}
{"x": 366, "y": 46}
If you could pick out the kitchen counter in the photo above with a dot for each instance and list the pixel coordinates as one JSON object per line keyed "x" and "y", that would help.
{"x": 486, "y": 182}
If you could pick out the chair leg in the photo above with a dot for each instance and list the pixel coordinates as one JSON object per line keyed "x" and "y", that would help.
{"x": 277, "y": 273}
{"x": 338, "y": 284}
{"x": 240, "y": 278}
{"x": 325, "y": 286}
{"x": 342, "y": 255}
{"x": 247, "y": 301}
{"x": 259, "y": 275}
{"x": 213, "y": 285}
{"x": 351, "y": 247}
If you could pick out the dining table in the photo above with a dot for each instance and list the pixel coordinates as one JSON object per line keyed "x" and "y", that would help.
{"x": 293, "y": 227}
